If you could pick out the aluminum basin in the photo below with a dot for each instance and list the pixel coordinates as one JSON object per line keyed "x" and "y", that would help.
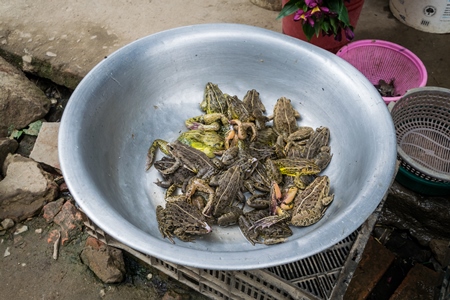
{"x": 147, "y": 89}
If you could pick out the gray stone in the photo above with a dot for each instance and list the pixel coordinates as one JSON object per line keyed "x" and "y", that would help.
{"x": 25, "y": 189}
{"x": 441, "y": 251}
{"x": 6, "y": 224}
{"x": 106, "y": 262}
{"x": 7, "y": 145}
{"x": 21, "y": 101}
{"x": 45, "y": 149}
{"x": 425, "y": 218}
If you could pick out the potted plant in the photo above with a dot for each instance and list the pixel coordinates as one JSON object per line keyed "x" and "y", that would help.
{"x": 328, "y": 24}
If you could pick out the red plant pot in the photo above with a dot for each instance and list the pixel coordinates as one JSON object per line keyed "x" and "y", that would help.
{"x": 294, "y": 29}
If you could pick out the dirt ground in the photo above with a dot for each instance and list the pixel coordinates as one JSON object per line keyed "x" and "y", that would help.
{"x": 30, "y": 272}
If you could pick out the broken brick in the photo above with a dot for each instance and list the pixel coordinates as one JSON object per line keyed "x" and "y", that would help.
{"x": 71, "y": 221}
{"x": 51, "y": 209}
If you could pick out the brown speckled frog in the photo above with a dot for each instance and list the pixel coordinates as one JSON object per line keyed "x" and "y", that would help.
{"x": 181, "y": 219}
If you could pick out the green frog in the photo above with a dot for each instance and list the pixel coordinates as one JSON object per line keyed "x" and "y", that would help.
{"x": 296, "y": 166}
{"x": 214, "y": 100}
{"x": 209, "y": 142}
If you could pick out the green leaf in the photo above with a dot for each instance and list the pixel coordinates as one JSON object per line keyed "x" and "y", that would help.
{"x": 334, "y": 25}
{"x": 33, "y": 128}
{"x": 326, "y": 26}
{"x": 334, "y": 6}
{"x": 308, "y": 31}
{"x": 343, "y": 15}
{"x": 317, "y": 28}
{"x": 288, "y": 9}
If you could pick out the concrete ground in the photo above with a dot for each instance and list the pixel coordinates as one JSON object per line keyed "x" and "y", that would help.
{"x": 62, "y": 41}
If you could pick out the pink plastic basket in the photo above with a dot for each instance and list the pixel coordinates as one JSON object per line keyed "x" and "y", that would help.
{"x": 378, "y": 59}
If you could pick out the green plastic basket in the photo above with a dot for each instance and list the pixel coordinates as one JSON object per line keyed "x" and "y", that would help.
{"x": 420, "y": 185}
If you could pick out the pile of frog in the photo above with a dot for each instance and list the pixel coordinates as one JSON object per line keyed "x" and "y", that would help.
{"x": 235, "y": 165}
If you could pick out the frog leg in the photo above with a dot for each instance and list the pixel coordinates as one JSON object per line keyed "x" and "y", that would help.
{"x": 183, "y": 235}
{"x": 207, "y": 122}
{"x": 160, "y": 216}
{"x": 230, "y": 216}
{"x": 157, "y": 144}
{"x": 327, "y": 200}
{"x": 229, "y": 156}
{"x": 275, "y": 196}
{"x": 200, "y": 185}
{"x": 323, "y": 158}
{"x": 198, "y": 201}
{"x": 242, "y": 129}
{"x": 164, "y": 183}
{"x": 170, "y": 190}
{"x": 257, "y": 201}
{"x": 244, "y": 226}
{"x": 270, "y": 220}
{"x": 280, "y": 147}
{"x": 308, "y": 217}
{"x": 207, "y": 211}
{"x": 173, "y": 168}
{"x": 287, "y": 201}
{"x": 229, "y": 137}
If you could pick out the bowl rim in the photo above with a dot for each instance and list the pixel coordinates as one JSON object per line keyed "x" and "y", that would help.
{"x": 393, "y": 46}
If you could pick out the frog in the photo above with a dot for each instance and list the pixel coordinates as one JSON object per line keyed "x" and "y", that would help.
{"x": 178, "y": 178}
{"x": 151, "y": 153}
{"x": 209, "y": 142}
{"x": 231, "y": 217}
{"x": 182, "y": 220}
{"x": 310, "y": 205}
{"x": 258, "y": 201}
{"x": 298, "y": 140}
{"x": 208, "y": 122}
{"x": 319, "y": 138}
{"x": 197, "y": 184}
{"x": 275, "y": 234}
{"x": 296, "y": 166}
{"x": 323, "y": 158}
{"x": 284, "y": 117}
{"x": 229, "y": 186}
{"x": 386, "y": 89}
{"x": 254, "y": 105}
{"x": 284, "y": 122}
{"x": 264, "y": 144}
{"x": 214, "y": 100}
{"x": 258, "y": 180}
{"x": 192, "y": 159}
{"x": 239, "y": 115}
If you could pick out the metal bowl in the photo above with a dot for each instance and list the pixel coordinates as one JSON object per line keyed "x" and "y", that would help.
{"x": 148, "y": 88}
